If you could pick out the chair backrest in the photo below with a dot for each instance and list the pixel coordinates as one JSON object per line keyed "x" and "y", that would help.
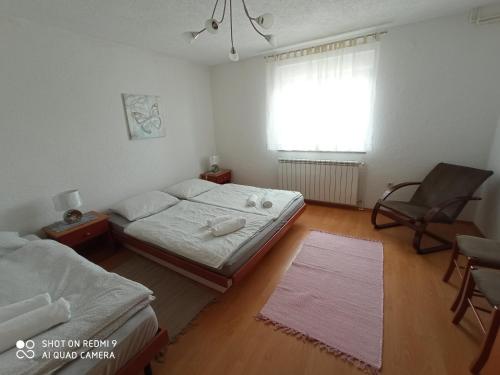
{"x": 447, "y": 181}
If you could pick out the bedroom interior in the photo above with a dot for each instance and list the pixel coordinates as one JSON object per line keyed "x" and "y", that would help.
{"x": 249, "y": 187}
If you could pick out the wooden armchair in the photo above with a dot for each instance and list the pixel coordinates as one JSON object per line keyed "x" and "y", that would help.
{"x": 440, "y": 198}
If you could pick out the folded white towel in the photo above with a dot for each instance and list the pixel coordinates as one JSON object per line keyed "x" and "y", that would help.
{"x": 8, "y": 312}
{"x": 217, "y": 220}
{"x": 266, "y": 201}
{"x": 228, "y": 226}
{"x": 252, "y": 200}
{"x": 32, "y": 323}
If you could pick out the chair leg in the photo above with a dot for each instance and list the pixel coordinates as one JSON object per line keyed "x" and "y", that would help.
{"x": 374, "y": 215}
{"x": 420, "y": 230}
{"x": 451, "y": 266}
{"x": 462, "y": 285}
{"x": 488, "y": 342}
{"x": 464, "y": 300}
{"x": 148, "y": 370}
{"x": 375, "y": 212}
{"x": 417, "y": 238}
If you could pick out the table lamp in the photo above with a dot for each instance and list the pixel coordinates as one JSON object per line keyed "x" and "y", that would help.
{"x": 68, "y": 201}
{"x": 214, "y": 163}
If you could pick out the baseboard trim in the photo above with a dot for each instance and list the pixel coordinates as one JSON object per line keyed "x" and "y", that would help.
{"x": 368, "y": 210}
{"x": 333, "y": 205}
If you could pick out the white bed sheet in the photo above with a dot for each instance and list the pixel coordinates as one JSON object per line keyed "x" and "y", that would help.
{"x": 235, "y": 196}
{"x": 100, "y": 301}
{"x": 131, "y": 338}
{"x": 182, "y": 229}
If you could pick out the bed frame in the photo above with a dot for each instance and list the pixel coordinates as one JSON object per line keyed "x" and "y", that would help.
{"x": 142, "y": 360}
{"x": 196, "y": 271}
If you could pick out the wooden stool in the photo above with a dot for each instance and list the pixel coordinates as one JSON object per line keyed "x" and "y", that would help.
{"x": 478, "y": 252}
{"x": 487, "y": 281}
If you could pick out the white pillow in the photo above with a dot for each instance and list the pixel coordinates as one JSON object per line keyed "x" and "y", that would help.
{"x": 190, "y": 188}
{"x": 11, "y": 241}
{"x": 144, "y": 205}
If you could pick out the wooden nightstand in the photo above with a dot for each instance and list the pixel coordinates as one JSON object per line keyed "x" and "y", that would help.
{"x": 221, "y": 177}
{"x": 80, "y": 234}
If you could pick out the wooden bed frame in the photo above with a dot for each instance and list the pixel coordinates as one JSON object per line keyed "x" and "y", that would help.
{"x": 196, "y": 271}
{"x": 142, "y": 360}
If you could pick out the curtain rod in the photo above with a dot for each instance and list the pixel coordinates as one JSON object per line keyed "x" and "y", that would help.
{"x": 475, "y": 17}
{"x": 330, "y": 46}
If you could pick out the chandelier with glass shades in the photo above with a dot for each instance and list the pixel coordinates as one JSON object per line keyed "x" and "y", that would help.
{"x": 212, "y": 25}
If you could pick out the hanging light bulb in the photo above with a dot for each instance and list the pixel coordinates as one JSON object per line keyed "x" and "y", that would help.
{"x": 233, "y": 55}
{"x": 191, "y": 36}
{"x": 212, "y": 26}
{"x": 271, "y": 39}
{"x": 266, "y": 21}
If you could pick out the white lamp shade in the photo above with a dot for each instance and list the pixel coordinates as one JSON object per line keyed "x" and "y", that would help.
{"x": 271, "y": 39}
{"x": 67, "y": 200}
{"x": 233, "y": 55}
{"x": 266, "y": 20}
{"x": 212, "y": 26}
{"x": 214, "y": 160}
{"x": 188, "y": 36}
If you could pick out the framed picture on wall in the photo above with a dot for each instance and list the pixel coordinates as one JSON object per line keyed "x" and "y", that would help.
{"x": 143, "y": 116}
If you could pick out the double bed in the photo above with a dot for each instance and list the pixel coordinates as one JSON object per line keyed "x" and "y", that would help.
{"x": 179, "y": 238}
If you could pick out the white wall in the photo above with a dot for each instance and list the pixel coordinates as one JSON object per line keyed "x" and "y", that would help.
{"x": 63, "y": 125}
{"x": 488, "y": 214}
{"x": 437, "y": 99}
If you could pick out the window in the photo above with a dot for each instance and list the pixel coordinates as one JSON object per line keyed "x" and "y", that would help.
{"x": 322, "y": 101}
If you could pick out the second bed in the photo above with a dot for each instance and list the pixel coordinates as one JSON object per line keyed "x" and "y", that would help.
{"x": 178, "y": 237}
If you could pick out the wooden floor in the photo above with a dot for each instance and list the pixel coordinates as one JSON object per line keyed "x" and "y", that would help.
{"x": 419, "y": 337}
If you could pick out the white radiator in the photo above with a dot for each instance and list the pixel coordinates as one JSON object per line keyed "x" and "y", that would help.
{"x": 321, "y": 180}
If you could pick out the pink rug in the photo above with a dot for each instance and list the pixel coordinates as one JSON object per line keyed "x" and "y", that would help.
{"x": 332, "y": 295}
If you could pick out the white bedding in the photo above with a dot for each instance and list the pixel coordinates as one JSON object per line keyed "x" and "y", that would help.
{"x": 131, "y": 337}
{"x": 100, "y": 301}
{"x": 235, "y": 197}
{"x": 183, "y": 230}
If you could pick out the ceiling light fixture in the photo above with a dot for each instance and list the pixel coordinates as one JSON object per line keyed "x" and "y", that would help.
{"x": 212, "y": 25}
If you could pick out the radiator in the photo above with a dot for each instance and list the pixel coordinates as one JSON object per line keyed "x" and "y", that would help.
{"x": 321, "y": 180}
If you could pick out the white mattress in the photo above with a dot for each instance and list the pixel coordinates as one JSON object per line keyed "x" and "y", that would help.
{"x": 235, "y": 197}
{"x": 182, "y": 229}
{"x": 131, "y": 338}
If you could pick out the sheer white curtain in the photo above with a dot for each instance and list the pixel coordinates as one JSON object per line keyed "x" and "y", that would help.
{"x": 322, "y": 101}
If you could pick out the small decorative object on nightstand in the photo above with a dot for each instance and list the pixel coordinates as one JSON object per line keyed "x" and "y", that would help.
{"x": 214, "y": 164}
{"x": 68, "y": 201}
{"x": 92, "y": 225}
{"x": 223, "y": 176}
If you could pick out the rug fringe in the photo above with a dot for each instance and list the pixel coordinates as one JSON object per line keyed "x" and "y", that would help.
{"x": 192, "y": 323}
{"x": 369, "y": 369}
{"x": 345, "y": 235}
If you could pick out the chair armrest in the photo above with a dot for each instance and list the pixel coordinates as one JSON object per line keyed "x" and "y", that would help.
{"x": 440, "y": 207}
{"x": 392, "y": 189}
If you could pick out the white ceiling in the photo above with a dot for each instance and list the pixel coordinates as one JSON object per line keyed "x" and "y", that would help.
{"x": 158, "y": 24}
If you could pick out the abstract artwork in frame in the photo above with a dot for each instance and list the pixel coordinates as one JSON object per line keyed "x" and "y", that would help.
{"x": 143, "y": 116}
